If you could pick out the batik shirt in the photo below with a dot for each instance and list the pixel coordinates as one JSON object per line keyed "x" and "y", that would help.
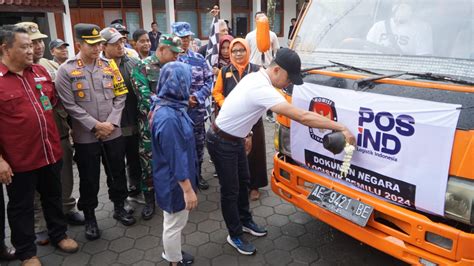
{"x": 144, "y": 80}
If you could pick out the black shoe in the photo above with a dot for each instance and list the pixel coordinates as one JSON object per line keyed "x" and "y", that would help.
{"x": 121, "y": 215}
{"x": 187, "y": 258}
{"x": 149, "y": 208}
{"x": 75, "y": 218}
{"x": 202, "y": 184}
{"x": 92, "y": 231}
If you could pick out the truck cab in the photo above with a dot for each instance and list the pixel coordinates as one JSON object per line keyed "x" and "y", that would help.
{"x": 400, "y": 75}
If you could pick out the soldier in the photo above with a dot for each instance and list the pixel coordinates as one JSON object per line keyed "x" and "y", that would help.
{"x": 93, "y": 93}
{"x": 202, "y": 82}
{"x": 114, "y": 49}
{"x": 144, "y": 80}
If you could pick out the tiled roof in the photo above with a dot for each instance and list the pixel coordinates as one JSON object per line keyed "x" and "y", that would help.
{"x": 32, "y": 5}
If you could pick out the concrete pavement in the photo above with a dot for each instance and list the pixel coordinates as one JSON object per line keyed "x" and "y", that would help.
{"x": 294, "y": 238}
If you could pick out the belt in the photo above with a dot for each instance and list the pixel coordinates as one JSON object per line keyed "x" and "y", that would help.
{"x": 223, "y": 134}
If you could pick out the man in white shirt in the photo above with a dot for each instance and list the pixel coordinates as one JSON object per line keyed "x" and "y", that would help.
{"x": 226, "y": 138}
{"x": 256, "y": 56}
{"x": 403, "y": 33}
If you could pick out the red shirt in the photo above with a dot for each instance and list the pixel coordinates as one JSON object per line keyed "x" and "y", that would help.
{"x": 29, "y": 138}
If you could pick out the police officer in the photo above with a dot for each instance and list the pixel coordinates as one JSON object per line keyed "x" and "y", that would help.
{"x": 202, "y": 82}
{"x": 90, "y": 90}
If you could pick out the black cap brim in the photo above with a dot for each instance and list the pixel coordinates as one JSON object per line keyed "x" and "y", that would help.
{"x": 296, "y": 78}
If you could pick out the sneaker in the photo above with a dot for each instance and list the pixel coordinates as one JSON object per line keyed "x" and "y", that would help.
{"x": 253, "y": 229}
{"x": 187, "y": 258}
{"x": 243, "y": 246}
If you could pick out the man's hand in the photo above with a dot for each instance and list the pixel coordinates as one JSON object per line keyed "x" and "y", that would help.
{"x": 103, "y": 130}
{"x": 215, "y": 70}
{"x": 248, "y": 145}
{"x": 215, "y": 11}
{"x": 6, "y": 172}
{"x": 193, "y": 101}
{"x": 349, "y": 137}
{"x": 190, "y": 199}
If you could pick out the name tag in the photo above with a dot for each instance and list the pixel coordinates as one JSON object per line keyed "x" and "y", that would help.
{"x": 38, "y": 79}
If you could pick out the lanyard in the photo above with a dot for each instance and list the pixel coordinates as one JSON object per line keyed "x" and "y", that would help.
{"x": 45, "y": 102}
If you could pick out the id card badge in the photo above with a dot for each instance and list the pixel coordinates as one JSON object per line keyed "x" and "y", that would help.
{"x": 46, "y": 103}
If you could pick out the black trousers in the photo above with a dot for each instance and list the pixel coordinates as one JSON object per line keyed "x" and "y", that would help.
{"x": 88, "y": 158}
{"x": 134, "y": 169}
{"x": 21, "y": 192}
{"x": 2, "y": 217}
{"x": 232, "y": 169}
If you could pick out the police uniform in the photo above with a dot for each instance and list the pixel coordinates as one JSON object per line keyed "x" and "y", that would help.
{"x": 201, "y": 86}
{"x": 87, "y": 93}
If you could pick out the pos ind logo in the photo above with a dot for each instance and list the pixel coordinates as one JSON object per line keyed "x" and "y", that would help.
{"x": 382, "y": 130}
{"x": 326, "y": 108}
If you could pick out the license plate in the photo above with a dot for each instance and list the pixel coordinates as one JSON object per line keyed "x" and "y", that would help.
{"x": 340, "y": 204}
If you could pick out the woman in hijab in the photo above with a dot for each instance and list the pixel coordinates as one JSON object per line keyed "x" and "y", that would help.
{"x": 224, "y": 53}
{"x": 227, "y": 79}
{"x": 174, "y": 157}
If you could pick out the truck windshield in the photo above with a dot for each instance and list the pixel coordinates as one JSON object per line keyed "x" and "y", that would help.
{"x": 435, "y": 36}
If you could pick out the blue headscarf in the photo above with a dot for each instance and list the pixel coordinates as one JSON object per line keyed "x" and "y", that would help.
{"x": 173, "y": 86}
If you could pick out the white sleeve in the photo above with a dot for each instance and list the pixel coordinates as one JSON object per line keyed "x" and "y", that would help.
{"x": 266, "y": 96}
{"x": 374, "y": 33}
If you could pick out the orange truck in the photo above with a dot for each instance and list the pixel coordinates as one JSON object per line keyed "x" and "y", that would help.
{"x": 420, "y": 51}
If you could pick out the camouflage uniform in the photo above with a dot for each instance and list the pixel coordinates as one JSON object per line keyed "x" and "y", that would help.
{"x": 144, "y": 80}
{"x": 201, "y": 86}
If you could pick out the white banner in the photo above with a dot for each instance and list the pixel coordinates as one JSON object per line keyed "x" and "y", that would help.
{"x": 403, "y": 145}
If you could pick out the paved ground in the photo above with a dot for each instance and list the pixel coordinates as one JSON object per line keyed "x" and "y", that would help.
{"x": 294, "y": 237}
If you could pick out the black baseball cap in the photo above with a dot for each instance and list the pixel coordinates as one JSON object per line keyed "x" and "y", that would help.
{"x": 290, "y": 61}
{"x": 57, "y": 43}
{"x": 120, "y": 28}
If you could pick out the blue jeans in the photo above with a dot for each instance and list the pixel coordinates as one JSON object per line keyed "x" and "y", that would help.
{"x": 234, "y": 177}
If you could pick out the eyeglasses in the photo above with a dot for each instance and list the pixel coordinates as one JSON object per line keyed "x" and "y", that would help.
{"x": 239, "y": 51}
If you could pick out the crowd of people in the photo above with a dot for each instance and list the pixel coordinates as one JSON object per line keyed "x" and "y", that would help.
{"x": 140, "y": 112}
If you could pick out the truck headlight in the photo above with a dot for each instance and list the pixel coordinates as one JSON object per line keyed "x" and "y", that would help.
{"x": 282, "y": 139}
{"x": 459, "y": 203}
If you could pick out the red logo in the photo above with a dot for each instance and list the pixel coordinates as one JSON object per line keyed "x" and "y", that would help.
{"x": 326, "y": 108}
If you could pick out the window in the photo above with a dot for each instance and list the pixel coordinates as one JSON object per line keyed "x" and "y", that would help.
{"x": 132, "y": 19}
{"x": 241, "y": 13}
{"x": 196, "y": 12}
{"x": 159, "y": 14}
{"x": 278, "y": 19}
